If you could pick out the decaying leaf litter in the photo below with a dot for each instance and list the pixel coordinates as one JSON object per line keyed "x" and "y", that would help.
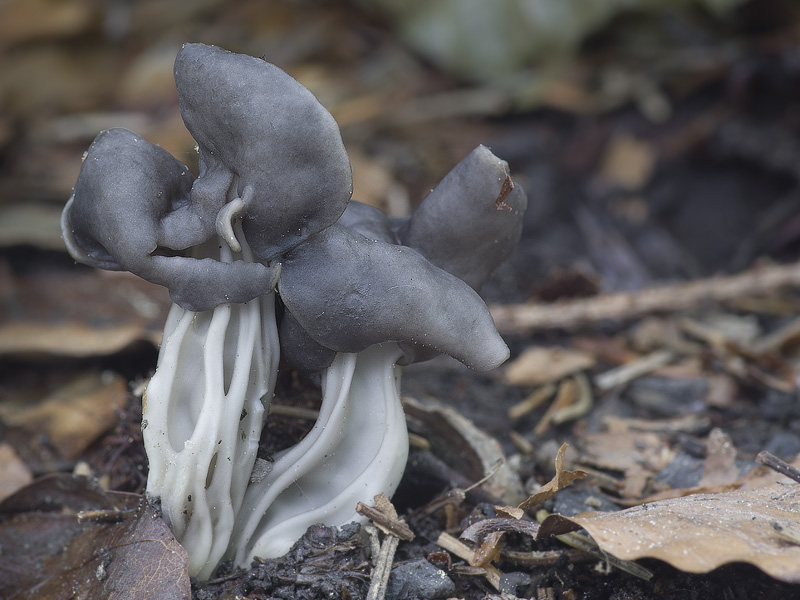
{"x": 651, "y": 310}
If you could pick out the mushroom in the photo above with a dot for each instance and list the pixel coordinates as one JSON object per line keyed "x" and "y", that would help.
{"x": 270, "y": 148}
{"x": 273, "y": 171}
{"x": 268, "y": 215}
{"x": 370, "y": 303}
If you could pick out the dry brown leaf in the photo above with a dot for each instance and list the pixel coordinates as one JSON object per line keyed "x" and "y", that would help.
{"x": 73, "y": 416}
{"x": 657, "y": 333}
{"x": 628, "y": 162}
{"x": 27, "y": 20}
{"x": 692, "y": 423}
{"x": 560, "y": 480}
{"x": 567, "y": 395}
{"x": 374, "y": 184}
{"x": 70, "y": 339}
{"x": 62, "y": 534}
{"x": 673, "y": 493}
{"x": 720, "y": 466}
{"x": 488, "y": 551}
{"x": 487, "y": 535}
{"x": 612, "y": 350}
{"x": 621, "y": 450}
{"x": 539, "y": 365}
{"x": 34, "y": 224}
{"x": 701, "y": 532}
{"x": 14, "y": 473}
{"x": 638, "y": 454}
{"x": 722, "y": 390}
{"x": 468, "y": 449}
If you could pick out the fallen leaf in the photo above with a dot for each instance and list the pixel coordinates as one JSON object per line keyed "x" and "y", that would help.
{"x": 621, "y": 450}
{"x": 567, "y": 396}
{"x": 692, "y": 423}
{"x": 720, "y": 466}
{"x": 64, "y": 533}
{"x": 638, "y": 454}
{"x": 560, "y": 480}
{"x": 539, "y": 365}
{"x": 701, "y": 532}
{"x": 487, "y": 534}
{"x": 722, "y": 390}
{"x": 70, "y": 339}
{"x": 628, "y": 162}
{"x": 31, "y": 224}
{"x": 374, "y": 184}
{"x": 468, "y": 449}
{"x": 26, "y": 20}
{"x": 14, "y": 473}
{"x": 73, "y": 416}
{"x": 77, "y": 312}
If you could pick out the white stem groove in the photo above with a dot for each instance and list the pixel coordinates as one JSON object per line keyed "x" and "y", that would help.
{"x": 203, "y": 414}
{"x": 357, "y": 449}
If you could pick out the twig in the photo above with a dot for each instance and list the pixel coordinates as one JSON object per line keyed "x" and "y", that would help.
{"x": 586, "y": 544}
{"x": 671, "y": 298}
{"x": 779, "y": 338}
{"x": 543, "y": 558}
{"x": 578, "y": 408}
{"x": 633, "y": 369}
{"x": 379, "y": 579}
{"x": 776, "y": 464}
{"x": 387, "y": 523}
{"x": 461, "y": 550}
{"x": 567, "y": 394}
{"x": 532, "y": 402}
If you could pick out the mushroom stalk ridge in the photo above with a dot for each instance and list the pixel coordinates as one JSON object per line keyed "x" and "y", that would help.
{"x": 357, "y": 449}
{"x": 204, "y": 411}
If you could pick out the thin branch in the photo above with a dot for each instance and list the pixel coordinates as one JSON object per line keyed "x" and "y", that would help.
{"x": 778, "y": 465}
{"x": 528, "y": 317}
{"x": 379, "y": 581}
{"x": 461, "y": 550}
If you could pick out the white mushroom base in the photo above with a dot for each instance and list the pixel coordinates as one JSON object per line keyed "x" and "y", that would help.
{"x": 357, "y": 449}
{"x": 202, "y": 419}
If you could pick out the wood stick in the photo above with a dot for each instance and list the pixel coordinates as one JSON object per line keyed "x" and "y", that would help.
{"x": 778, "y": 465}
{"x": 379, "y": 580}
{"x": 461, "y": 550}
{"x": 528, "y": 317}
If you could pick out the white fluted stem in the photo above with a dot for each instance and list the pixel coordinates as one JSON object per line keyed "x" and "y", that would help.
{"x": 357, "y": 449}
{"x": 203, "y": 415}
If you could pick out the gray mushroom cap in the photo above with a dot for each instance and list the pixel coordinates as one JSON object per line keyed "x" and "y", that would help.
{"x": 348, "y": 292}
{"x": 466, "y": 226}
{"x": 471, "y": 221}
{"x": 257, "y": 126}
{"x": 369, "y": 221}
{"x": 131, "y": 202}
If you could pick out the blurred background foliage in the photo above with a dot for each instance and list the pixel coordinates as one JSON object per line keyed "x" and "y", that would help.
{"x": 598, "y": 106}
{"x": 495, "y": 41}
{"x": 73, "y": 67}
